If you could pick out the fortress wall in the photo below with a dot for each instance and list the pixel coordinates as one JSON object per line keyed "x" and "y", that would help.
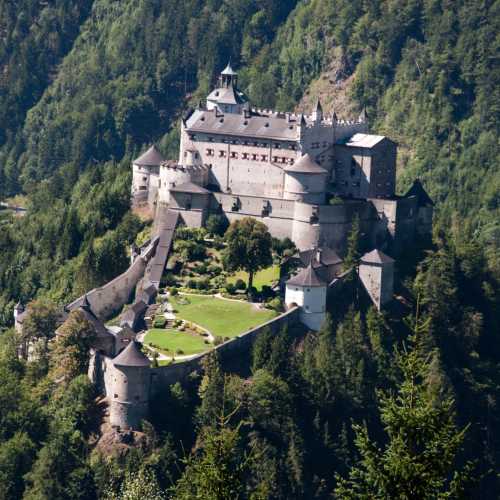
{"x": 344, "y": 130}
{"x": 106, "y": 300}
{"x": 164, "y": 376}
{"x": 261, "y": 179}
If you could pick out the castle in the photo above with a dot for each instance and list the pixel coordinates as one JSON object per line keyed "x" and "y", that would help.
{"x": 305, "y": 176}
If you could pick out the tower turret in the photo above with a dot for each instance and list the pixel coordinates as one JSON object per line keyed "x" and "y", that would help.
{"x": 376, "y": 272}
{"x": 308, "y": 291}
{"x": 317, "y": 114}
{"x": 305, "y": 181}
{"x": 130, "y": 388}
{"x": 227, "y": 98}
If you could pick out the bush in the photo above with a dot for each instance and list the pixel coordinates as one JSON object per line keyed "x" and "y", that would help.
{"x": 179, "y": 352}
{"x": 169, "y": 279}
{"x": 217, "y": 225}
{"x": 230, "y": 288}
{"x": 174, "y": 292}
{"x": 191, "y": 283}
{"x": 214, "y": 270}
{"x": 218, "y": 340}
{"x": 159, "y": 322}
{"x": 240, "y": 284}
{"x": 267, "y": 292}
{"x": 252, "y": 292}
{"x": 275, "y": 304}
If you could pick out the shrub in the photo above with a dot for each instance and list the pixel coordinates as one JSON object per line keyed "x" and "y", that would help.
{"x": 230, "y": 288}
{"x": 191, "y": 283}
{"x": 240, "y": 284}
{"x": 179, "y": 352}
{"x": 275, "y": 304}
{"x": 267, "y": 292}
{"x": 169, "y": 279}
{"x": 217, "y": 224}
{"x": 214, "y": 270}
{"x": 252, "y": 292}
{"x": 159, "y": 322}
{"x": 218, "y": 340}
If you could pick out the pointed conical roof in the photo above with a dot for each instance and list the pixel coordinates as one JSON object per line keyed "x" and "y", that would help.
{"x": 418, "y": 190}
{"x": 307, "y": 276}
{"x": 228, "y": 70}
{"x": 318, "y": 108}
{"x": 363, "y": 116}
{"x": 19, "y": 307}
{"x": 132, "y": 356}
{"x": 151, "y": 158}
{"x": 376, "y": 257}
{"x": 305, "y": 165}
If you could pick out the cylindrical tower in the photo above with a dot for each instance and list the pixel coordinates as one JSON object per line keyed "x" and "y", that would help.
{"x": 305, "y": 181}
{"x": 131, "y": 385}
{"x": 308, "y": 291}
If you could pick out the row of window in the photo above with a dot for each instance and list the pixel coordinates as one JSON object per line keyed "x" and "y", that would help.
{"x": 250, "y": 156}
{"x": 275, "y": 145}
{"x": 316, "y": 145}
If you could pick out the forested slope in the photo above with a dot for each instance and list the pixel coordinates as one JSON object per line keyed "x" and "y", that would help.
{"x": 86, "y": 85}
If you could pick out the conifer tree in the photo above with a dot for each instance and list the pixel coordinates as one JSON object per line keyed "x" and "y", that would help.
{"x": 353, "y": 254}
{"x": 423, "y": 442}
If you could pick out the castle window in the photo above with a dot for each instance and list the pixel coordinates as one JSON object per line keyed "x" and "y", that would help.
{"x": 315, "y": 145}
{"x": 296, "y": 289}
{"x": 234, "y": 154}
{"x": 353, "y": 171}
{"x": 116, "y": 395}
{"x": 308, "y": 289}
{"x": 292, "y": 161}
{"x": 307, "y": 308}
{"x": 196, "y": 155}
{"x": 222, "y": 154}
{"x": 293, "y": 147}
{"x": 144, "y": 178}
{"x": 263, "y": 157}
{"x": 275, "y": 159}
{"x": 355, "y": 184}
{"x": 387, "y": 183}
{"x": 254, "y": 156}
{"x": 210, "y": 139}
{"x": 210, "y": 152}
{"x": 277, "y": 146}
{"x": 379, "y": 185}
{"x": 142, "y": 188}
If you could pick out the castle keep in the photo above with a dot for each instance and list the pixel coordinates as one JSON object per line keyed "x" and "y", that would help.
{"x": 304, "y": 176}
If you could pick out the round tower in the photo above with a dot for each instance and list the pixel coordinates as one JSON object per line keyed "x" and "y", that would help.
{"x": 131, "y": 380}
{"x": 305, "y": 181}
{"x": 145, "y": 175}
{"x": 308, "y": 290}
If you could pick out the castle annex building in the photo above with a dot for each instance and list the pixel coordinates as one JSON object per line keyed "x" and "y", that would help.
{"x": 304, "y": 176}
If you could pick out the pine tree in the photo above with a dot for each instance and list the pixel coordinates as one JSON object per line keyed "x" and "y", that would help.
{"x": 353, "y": 254}
{"x": 423, "y": 442}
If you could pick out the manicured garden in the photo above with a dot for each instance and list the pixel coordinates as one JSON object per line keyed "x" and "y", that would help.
{"x": 223, "y": 318}
{"x": 175, "y": 342}
{"x": 266, "y": 277}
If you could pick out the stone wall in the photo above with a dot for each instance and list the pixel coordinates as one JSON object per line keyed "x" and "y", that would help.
{"x": 109, "y": 298}
{"x": 164, "y": 376}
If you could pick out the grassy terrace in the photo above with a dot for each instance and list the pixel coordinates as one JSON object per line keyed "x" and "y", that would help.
{"x": 221, "y": 317}
{"x": 265, "y": 277}
{"x": 170, "y": 341}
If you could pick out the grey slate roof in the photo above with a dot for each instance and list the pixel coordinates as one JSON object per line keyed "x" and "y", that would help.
{"x": 305, "y": 165}
{"x": 376, "y": 257}
{"x": 364, "y": 140}
{"x": 227, "y": 95}
{"x": 133, "y": 314}
{"x": 328, "y": 257}
{"x": 418, "y": 190}
{"x": 275, "y": 126}
{"x": 306, "y": 277}
{"x": 132, "y": 356}
{"x": 152, "y": 157}
{"x": 190, "y": 187}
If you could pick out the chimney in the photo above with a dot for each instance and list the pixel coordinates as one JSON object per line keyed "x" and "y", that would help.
{"x": 318, "y": 255}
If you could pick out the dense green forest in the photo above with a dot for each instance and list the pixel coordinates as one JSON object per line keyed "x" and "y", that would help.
{"x": 86, "y": 85}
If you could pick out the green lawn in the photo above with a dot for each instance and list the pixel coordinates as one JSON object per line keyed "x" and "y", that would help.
{"x": 221, "y": 317}
{"x": 170, "y": 340}
{"x": 265, "y": 277}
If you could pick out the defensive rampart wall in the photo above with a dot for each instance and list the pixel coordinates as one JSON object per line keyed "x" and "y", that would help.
{"x": 107, "y": 299}
{"x": 164, "y": 376}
